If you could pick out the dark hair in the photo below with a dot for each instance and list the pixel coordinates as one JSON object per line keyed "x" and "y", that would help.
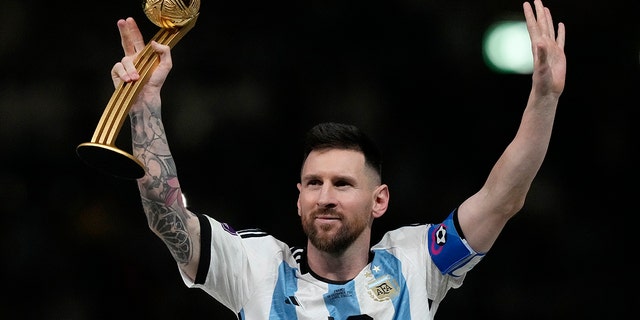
{"x": 334, "y": 135}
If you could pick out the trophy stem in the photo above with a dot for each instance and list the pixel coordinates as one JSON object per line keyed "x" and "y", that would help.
{"x": 101, "y": 152}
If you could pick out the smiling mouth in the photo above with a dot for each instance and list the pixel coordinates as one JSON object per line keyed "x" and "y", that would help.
{"x": 327, "y": 220}
{"x": 326, "y": 217}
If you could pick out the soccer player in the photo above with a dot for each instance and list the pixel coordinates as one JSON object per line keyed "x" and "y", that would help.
{"x": 338, "y": 273}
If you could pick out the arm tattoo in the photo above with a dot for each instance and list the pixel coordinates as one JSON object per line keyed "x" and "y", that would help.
{"x": 159, "y": 189}
{"x": 169, "y": 225}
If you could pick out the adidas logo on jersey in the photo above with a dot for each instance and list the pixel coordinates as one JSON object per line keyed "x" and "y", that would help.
{"x": 292, "y": 300}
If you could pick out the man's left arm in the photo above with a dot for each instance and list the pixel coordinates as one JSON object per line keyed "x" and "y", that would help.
{"x": 484, "y": 214}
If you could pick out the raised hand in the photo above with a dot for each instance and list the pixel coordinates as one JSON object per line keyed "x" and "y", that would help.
{"x": 549, "y": 60}
{"x": 133, "y": 43}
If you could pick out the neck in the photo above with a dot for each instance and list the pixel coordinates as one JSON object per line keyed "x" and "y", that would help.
{"x": 342, "y": 266}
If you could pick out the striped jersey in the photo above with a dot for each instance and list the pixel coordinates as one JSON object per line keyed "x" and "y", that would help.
{"x": 260, "y": 277}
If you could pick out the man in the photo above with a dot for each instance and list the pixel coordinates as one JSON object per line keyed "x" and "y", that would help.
{"x": 338, "y": 275}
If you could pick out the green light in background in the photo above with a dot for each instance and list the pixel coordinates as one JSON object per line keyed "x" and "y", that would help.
{"x": 506, "y": 48}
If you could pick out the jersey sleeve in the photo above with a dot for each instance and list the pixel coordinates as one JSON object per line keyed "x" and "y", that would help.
{"x": 234, "y": 265}
{"x": 449, "y": 250}
{"x": 214, "y": 276}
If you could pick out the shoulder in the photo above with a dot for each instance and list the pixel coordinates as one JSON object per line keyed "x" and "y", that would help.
{"x": 252, "y": 242}
{"x": 408, "y": 236}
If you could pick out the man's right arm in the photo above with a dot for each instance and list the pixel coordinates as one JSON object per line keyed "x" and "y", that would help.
{"x": 159, "y": 188}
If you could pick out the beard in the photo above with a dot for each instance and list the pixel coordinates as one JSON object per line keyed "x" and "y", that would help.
{"x": 332, "y": 242}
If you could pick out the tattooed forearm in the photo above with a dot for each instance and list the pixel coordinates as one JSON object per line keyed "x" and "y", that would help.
{"x": 159, "y": 188}
{"x": 170, "y": 226}
{"x": 148, "y": 135}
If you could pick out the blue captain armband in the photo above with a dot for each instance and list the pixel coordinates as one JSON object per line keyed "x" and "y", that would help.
{"x": 449, "y": 250}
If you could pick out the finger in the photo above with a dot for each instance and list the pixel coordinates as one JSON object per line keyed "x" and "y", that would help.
{"x": 138, "y": 41}
{"x": 561, "y": 32}
{"x": 132, "y": 41}
{"x": 527, "y": 9}
{"x": 127, "y": 44}
{"x": 541, "y": 17}
{"x": 129, "y": 68}
{"x": 119, "y": 71}
{"x": 164, "y": 56}
{"x": 117, "y": 74}
{"x": 163, "y": 52}
{"x": 530, "y": 19}
{"x": 550, "y": 27}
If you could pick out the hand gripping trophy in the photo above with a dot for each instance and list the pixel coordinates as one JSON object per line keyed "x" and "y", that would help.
{"x": 175, "y": 18}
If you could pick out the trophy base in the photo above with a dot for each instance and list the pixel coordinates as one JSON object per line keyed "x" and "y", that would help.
{"x": 110, "y": 160}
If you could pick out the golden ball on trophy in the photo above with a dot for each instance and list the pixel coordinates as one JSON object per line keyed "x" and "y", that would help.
{"x": 171, "y": 13}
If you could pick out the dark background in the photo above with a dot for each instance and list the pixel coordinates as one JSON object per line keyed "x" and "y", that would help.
{"x": 248, "y": 80}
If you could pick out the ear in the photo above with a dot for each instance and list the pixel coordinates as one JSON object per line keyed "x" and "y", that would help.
{"x": 381, "y": 200}
{"x": 298, "y": 202}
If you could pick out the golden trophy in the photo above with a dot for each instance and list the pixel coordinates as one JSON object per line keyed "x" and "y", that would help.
{"x": 175, "y": 18}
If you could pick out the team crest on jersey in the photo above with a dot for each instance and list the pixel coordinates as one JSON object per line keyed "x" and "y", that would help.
{"x": 382, "y": 288}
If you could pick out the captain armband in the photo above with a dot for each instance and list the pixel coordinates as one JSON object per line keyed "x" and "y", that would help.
{"x": 449, "y": 250}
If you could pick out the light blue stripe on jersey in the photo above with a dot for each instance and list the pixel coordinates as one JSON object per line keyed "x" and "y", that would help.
{"x": 385, "y": 283}
{"x": 386, "y": 265}
{"x": 342, "y": 301}
{"x": 283, "y": 303}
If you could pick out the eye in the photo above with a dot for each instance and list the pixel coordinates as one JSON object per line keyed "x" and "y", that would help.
{"x": 314, "y": 182}
{"x": 342, "y": 183}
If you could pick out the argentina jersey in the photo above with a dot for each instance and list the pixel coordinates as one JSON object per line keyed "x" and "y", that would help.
{"x": 259, "y": 277}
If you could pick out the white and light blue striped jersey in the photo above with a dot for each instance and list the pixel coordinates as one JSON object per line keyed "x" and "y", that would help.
{"x": 260, "y": 277}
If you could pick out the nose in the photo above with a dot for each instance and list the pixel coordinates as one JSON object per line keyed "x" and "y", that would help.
{"x": 327, "y": 198}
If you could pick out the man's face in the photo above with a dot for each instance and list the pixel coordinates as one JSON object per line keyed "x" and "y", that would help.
{"x": 337, "y": 193}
